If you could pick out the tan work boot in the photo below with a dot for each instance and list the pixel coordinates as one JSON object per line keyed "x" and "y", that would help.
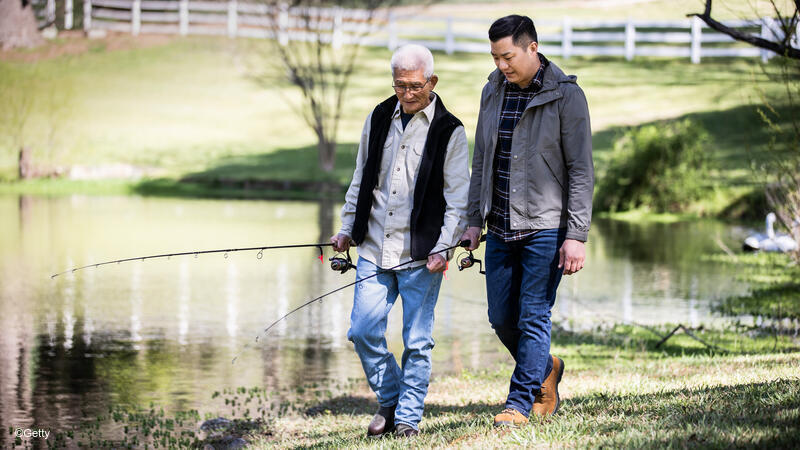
{"x": 510, "y": 417}
{"x": 546, "y": 402}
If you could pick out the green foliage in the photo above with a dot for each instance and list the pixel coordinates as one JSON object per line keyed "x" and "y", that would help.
{"x": 662, "y": 167}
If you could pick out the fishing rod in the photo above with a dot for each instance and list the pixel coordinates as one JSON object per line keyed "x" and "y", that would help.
{"x": 342, "y": 265}
{"x": 259, "y": 255}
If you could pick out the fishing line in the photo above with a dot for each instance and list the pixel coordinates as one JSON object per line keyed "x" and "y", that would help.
{"x": 463, "y": 243}
{"x": 196, "y": 253}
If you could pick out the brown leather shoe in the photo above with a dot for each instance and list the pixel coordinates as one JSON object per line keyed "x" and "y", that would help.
{"x": 382, "y": 422}
{"x": 510, "y": 417}
{"x": 546, "y": 402}
{"x": 405, "y": 431}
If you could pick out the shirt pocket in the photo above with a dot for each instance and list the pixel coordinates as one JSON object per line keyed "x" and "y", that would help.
{"x": 418, "y": 148}
{"x": 386, "y": 160}
{"x": 413, "y": 157}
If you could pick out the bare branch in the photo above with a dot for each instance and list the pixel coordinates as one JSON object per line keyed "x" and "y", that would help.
{"x": 782, "y": 47}
{"x": 316, "y": 61}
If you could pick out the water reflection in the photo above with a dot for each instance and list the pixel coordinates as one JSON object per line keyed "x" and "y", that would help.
{"x": 627, "y": 291}
{"x": 88, "y": 312}
{"x": 166, "y": 330}
{"x": 232, "y": 302}
{"x": 184, "y": 295}
{"x": 136, "y": 302}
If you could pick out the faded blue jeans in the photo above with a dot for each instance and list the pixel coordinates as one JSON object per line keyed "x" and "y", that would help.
{"x": 373, "y": 299}
{"x": 521, "y": 282}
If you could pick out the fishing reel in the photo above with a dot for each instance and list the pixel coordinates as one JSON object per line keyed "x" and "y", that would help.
{"x": 341, "y": 262}
{"x": 468, "y": 261}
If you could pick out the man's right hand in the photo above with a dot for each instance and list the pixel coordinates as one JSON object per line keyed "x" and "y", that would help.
{"x": 341, "y": 242}
{"x": 473, "y": 235}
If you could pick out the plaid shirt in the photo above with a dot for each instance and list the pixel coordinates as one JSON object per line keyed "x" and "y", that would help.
{"x": 514, "y": 103}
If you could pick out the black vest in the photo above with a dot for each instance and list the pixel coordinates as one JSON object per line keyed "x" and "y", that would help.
{"x": 427, "y": 214}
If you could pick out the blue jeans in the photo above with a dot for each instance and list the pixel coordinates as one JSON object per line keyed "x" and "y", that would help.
{"x": 372, "y": 301}
{"x": 521, "y": 282}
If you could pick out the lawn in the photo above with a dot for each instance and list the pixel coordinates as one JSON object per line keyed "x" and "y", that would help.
{"x": 610, "y": 399}
{"x": 178, "y": 108}
{"x": 620, "y": 389}
{"x": 606, "y": 10}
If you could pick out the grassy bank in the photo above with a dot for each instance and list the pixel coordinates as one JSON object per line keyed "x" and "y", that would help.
{"x": 589, "y": 10}
{"x": 621, "y": 388}
{"x": 178, "y": 109}
{"x": 681, "y": 402}
{"x": 775, "y": 287}
{"x": 171, "y": 187}
{"x": 634, "y": 402}
{"x": 618, "y": 390}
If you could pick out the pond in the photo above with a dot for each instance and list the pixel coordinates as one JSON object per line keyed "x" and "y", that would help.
{"x": 165, "y": 331}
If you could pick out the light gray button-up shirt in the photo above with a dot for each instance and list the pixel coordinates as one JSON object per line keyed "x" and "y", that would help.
{"x": 388, "y": 239}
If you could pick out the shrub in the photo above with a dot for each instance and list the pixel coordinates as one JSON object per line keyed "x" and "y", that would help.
{"x": 662, "y": 167}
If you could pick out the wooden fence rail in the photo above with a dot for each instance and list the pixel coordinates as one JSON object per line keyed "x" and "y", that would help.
{"x": 689, "y": 38}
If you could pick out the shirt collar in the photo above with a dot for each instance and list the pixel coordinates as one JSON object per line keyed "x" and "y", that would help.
{"x": 428, "y": 111}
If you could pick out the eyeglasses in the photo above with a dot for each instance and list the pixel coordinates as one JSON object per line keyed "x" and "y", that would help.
{"x": 400, "y": 89}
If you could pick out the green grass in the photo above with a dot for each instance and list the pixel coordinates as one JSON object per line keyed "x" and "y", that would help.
{"x": 58, "y": 186}
{"x": 623, "y": 394}
{"x": 608, "y": 10}
{"x": 775, "y": 286}
{"x": 620, "y": 389}
{"x": 643, "y": 215}
{"x": 188, "y": 109}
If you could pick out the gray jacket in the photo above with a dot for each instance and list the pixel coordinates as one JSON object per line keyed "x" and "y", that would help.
{"x": 552, "y": 174}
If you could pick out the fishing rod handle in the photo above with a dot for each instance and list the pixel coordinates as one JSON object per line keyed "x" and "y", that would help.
{"x": 466, "y": 242}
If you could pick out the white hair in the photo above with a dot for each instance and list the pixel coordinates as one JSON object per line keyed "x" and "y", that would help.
{"x": 413, "y": 57}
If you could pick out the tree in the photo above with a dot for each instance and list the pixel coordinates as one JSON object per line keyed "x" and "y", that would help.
{"x": 780, "y": 169}
{"x": 18, "y": 27}
{"x": 318, "y": 58}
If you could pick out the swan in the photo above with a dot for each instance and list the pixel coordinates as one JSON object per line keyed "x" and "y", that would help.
{"x": 771, "y": 241}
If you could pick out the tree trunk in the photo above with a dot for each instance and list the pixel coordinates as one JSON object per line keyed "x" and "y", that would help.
{"x": 25, "y": 165}
{"x": 18, "y": 27}
{"x": 327, "y": 155}
{"x": 325, "y": 218}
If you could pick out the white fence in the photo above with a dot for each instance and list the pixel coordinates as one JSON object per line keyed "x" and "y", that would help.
{"x": 231, "y": 18}
{"x": 689, "y": 38}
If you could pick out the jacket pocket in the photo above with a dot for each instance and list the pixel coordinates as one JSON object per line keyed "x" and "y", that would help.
{"x": 555, "y": 163}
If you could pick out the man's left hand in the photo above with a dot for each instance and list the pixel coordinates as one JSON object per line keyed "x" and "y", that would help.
{"x": 436, "y": 263}
{"x": 571, "y": 256}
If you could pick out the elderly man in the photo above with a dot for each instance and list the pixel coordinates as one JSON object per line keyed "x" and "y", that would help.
{"x": 405, "y": 202}
{"x": 532, "y": 182}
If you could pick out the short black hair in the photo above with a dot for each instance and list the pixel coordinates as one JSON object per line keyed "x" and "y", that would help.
{"x": 520, "y": 28}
